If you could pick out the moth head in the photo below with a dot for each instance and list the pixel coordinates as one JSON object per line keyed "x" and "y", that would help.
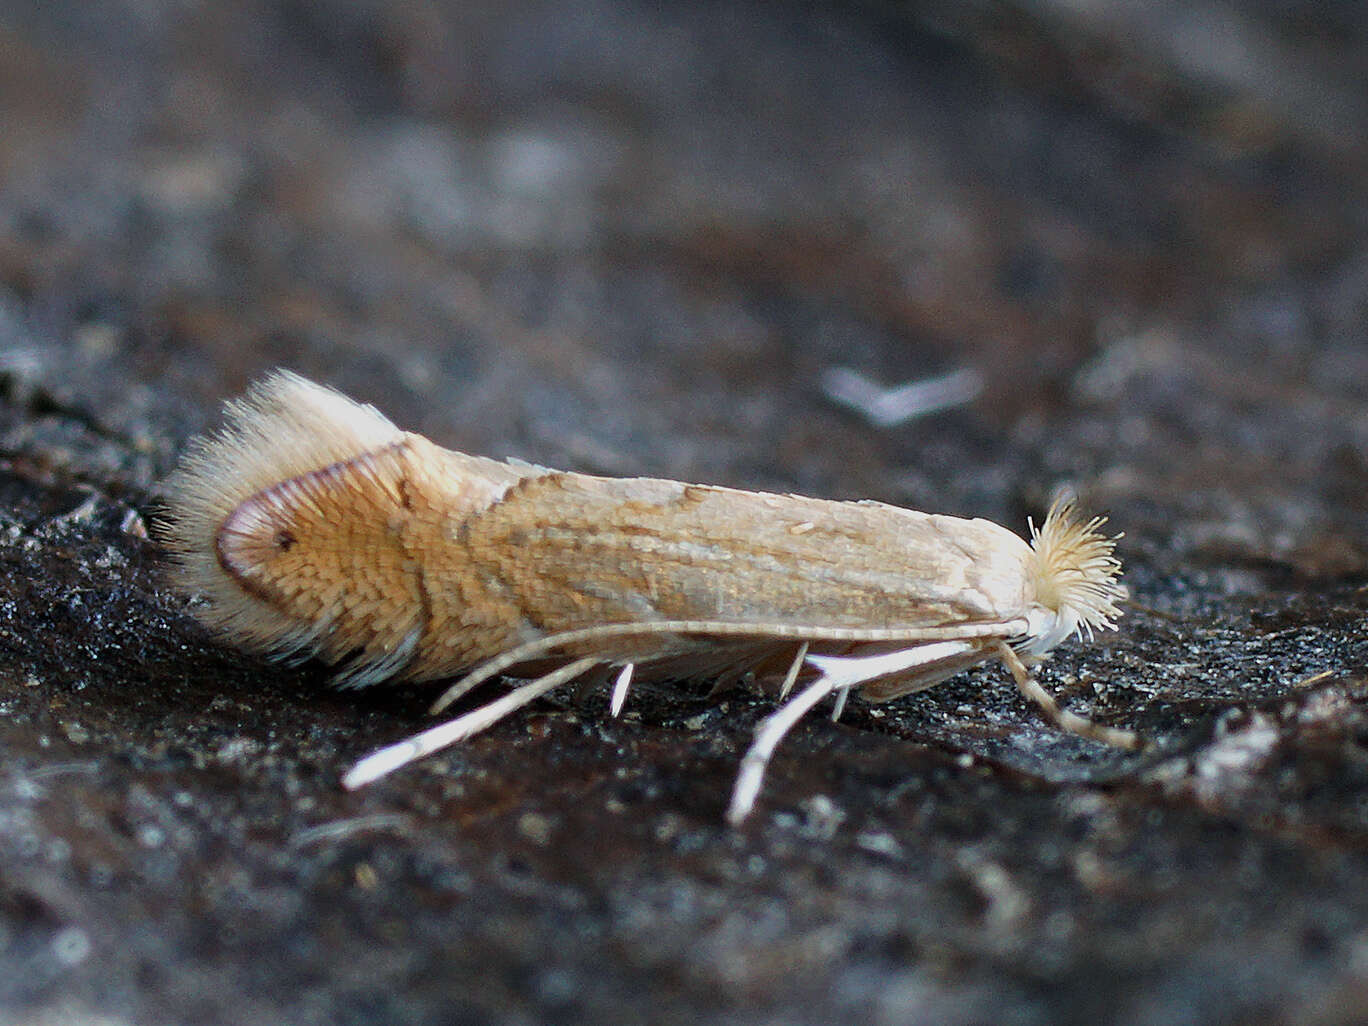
{"x": 1075, "y": 573}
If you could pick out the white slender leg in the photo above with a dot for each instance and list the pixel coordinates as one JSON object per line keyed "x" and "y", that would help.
{"x": 391, "y": 758}
{"x": 624, "y": 680}
{"x": 767, "y": 738}
{"x": 839, "y": 673}
{"x": 791, "y": 677}
{"x": 839, "y": 706}
{"x": 849, "y": 671}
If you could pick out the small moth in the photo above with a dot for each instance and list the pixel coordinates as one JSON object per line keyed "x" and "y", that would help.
{"x": 313, "y": 527}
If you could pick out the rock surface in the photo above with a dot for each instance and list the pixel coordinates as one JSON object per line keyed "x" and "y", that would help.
{"x": 625, "y": 239}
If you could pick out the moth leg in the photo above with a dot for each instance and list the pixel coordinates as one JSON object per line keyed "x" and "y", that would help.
{"x": 620, "y": 686}
{"x": 839, "y": 707}
{"x": 391, "y": 758}
{"x": 839, "y": 673}
{"x": 851, "y": 671}
{"x": 1062, "y": 718}
{"x": 791, "y": 677}
{"x": 767, "y": 738}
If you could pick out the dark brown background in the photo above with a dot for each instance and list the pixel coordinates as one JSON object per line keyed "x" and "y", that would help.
{"x": 627, "y": 238}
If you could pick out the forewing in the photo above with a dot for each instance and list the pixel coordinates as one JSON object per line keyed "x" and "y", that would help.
{"x": 578, "y": 549}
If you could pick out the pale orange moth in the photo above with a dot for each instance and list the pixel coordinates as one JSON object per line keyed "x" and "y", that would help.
{"x": 311, "y": 526}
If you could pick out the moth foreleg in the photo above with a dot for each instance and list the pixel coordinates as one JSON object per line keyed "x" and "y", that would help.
{"x": 1063, "y": 718}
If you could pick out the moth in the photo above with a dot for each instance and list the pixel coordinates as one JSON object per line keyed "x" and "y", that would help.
{"x": 313, "y": 527}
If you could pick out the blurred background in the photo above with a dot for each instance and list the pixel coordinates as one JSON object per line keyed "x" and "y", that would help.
{"x": 1114, "y": 247}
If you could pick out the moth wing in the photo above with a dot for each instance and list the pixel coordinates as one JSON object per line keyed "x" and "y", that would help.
{"x": 582, "y": 549}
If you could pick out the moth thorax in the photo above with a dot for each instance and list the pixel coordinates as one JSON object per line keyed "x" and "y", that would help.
{"x": 326, "y": 548}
